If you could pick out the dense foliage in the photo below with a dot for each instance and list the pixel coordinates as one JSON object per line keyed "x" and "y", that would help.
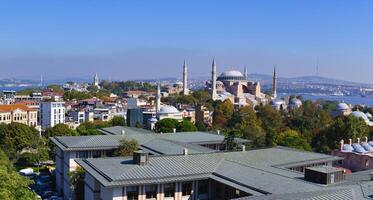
{"x": 168, "y": 125}
{"x": 12, "y": 185}
{"x": 310, "y": 127}
{"x": 127, "y": 147}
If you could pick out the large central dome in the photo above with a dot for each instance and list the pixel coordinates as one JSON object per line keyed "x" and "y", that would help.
{"x": 231, "y": 75}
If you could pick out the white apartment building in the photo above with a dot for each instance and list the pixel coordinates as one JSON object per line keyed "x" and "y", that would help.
{"x": 51, "y": 114}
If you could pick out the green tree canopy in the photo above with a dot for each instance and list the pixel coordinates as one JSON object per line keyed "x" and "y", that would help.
{"x": 248, "y": 126}
{"x": 346, "y": 128}
{"x": 60, "y": 130}
{"x": 272, "y": 122}
{"x": 186, "y": 126}
{"x": 223, "y": 113}
{"x": 127, "y": 147}
{"x": 166, "y": 125}
{"x": 12, "y": 185}
{"x": 14, "y": 137}
{"x": 291, "y": 138}
{"x": 118, "y": 121}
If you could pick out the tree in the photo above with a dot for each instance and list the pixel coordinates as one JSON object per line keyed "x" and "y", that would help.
{"x": 60, "y": 130}
{"x": 291, "y": 138}
{"x": 200, "y": 126}
{"x": 248, "y": 126}
{"x": 230, "y": 142}
{"x": 87, "y": 128}
{"x": 118, "y": 121}
{"x": 127, "y": 147}
{"x": 77, "y": 182}
{"x": 166, "y": 125}
{"x": 346, "y": 128}
{"x": 223, "y": 113}
{"x": 186, "y": 126}
{"x": 14, "y": 137}
{"x": 12, "y": 185}
{"x": 271, "y": 122}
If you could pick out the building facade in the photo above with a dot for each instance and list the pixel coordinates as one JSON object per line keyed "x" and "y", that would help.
{"x": 19, "y": 113}
{"x": 51, "y": 114}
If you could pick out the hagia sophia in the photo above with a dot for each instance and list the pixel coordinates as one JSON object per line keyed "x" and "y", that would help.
{"x": 230, "y": 84}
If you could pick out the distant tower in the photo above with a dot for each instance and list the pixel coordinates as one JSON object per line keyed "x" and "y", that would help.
{"x": 245, "y": 73}
{"x": 274, "y": 83}
{"x": 41, "y": 81}
{"x": 158, "y": 99}
{"x": 185, "y": 79}
{"x": 213, "y": 80}
{"x": 95, "y": 80}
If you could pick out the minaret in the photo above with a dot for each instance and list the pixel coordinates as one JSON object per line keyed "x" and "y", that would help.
{"x": 185, "y": 79}
{"x": 274, "y": 83}
{"x": 213, "y": 80}
{"x": 158, "y": 99}
{"x": 245, "y": 73}
{"x": 95, "y": 80}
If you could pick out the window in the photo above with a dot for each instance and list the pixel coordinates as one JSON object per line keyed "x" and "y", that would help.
{"x": 186, "y": 188}
{"x": 82, "y": 154}
{"x": 151, "y": 191}
{"x": 367, "y": 163}
{"x": 169, "y": 190}
{"x": 203, "y": 187}
{"x": 96, "y": 154}
{"x": 132, "y": 193}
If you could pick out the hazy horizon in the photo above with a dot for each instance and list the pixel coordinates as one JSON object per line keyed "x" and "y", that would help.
{"x": 150, "y": 39}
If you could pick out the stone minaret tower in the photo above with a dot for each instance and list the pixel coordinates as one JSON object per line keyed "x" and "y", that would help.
{"x": 95, "y": 80}
{"x": 158, "y": 99}
{"x": 213, "y": 80}
{"x": 245, "y": 73}
{"x": 274, "y": 83}
{"x": 185, "y": 79}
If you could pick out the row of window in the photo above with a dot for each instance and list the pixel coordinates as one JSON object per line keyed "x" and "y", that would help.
{"x": 17, "y": 116}
{"x": 169, "y": 190}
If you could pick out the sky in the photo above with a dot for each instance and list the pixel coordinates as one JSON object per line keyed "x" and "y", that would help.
{"x": 135, "y": 39}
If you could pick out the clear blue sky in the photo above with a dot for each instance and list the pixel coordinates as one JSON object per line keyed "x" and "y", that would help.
{"x": 150, "y": 39}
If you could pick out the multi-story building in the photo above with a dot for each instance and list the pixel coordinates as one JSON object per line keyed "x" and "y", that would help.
{"x": 51, "y": 114}
{"x": 205, "y": 176}
{"x": 70, "y": 148}
{"x": 19, "y": 113}
{"x": 203, "y": 115}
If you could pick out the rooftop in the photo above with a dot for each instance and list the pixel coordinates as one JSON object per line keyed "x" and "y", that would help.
{"x": 12, "y": 107}
{"x": 167, "y": 143}
{"x": 253, "y": 170}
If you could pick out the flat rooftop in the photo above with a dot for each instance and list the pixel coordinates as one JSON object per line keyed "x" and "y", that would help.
{"x": 254, "y": 170}
{"x": 158, "y": 144}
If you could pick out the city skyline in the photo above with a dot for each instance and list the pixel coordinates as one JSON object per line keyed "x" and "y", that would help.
{"x": 143, "y": 39}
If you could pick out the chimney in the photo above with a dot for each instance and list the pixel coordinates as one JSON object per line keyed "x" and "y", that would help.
{"x": 218, "y": 131}
{"x": 341, "y": 147}
{"x": 174, "y": 130}
{"x": 366, "y": 139}
{"x": 350, "y": 140}
{"x": 185, "y": 151}
{"x": 243, "y": 148}
{"x": 123, "y": 131}
{"x": 140, "y": 158}
{"x": 358, "y": 140}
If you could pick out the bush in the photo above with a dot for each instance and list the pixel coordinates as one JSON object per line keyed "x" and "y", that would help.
{"x": 27, "y": 159}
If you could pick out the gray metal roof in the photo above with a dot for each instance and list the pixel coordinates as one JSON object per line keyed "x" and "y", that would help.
{"x": 325, "y": 169}
{"x": 168, "y": 143}
{"x": 321, "y": 194}
{"x": 251, "y": 169}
